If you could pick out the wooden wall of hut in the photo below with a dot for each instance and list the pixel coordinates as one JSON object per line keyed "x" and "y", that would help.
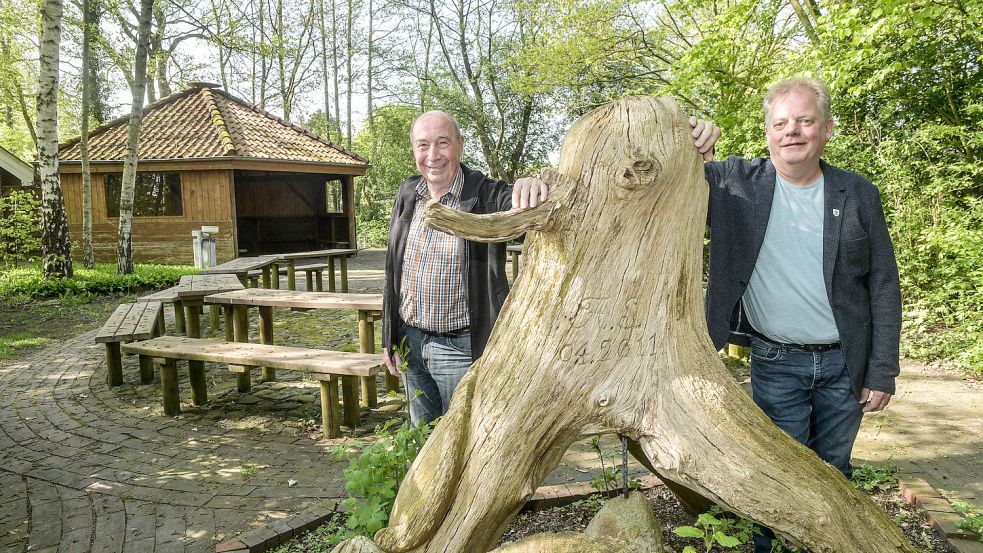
{"x": 287, "y": 212}
{"x": 206, "y": 198}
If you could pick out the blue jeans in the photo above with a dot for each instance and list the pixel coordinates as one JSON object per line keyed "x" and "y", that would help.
{"x": 437, "y": 362}
{"x": 808, "y": 395}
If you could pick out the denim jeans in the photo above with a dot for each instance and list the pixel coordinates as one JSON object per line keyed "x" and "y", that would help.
{"x": 808, "y": 395}
{"x": 436, "y": 363}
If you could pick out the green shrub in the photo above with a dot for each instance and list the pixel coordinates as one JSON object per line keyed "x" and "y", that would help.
{"x": 103, "y": 280}
{"x": 374, "y": 475}
{"x": 20, "y": 226}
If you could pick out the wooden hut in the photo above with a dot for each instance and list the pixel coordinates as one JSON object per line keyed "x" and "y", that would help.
{"x": 208, "y": 158}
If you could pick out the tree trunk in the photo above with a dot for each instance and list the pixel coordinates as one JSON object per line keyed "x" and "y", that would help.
{"x": 324, "y": 69}
{"x": 335, "y": 65}
{"x": 348, "y": 87}
{"x": 88, "y": 258}
{"x": 605, "y": 331}
{"x": 56, "y": 247}
{"x": 124, "y": 247}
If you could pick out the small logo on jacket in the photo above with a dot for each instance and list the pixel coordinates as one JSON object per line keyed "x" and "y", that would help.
{"x": 836, "y": 213}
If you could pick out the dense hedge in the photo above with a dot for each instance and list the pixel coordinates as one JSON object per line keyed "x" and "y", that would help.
{"x": 28, "y": 282}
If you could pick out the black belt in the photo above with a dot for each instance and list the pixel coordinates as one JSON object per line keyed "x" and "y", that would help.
{"x": 813, "y": 348}
{"x": 449, "y": 334}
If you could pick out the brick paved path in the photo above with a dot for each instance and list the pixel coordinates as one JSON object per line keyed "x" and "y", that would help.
{"x": 87, "y": 468}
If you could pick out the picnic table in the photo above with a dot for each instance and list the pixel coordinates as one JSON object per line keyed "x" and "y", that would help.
{"x": 290, "y": 260}
{"x": 191, "y": 291}
{"x": 242, "y": 266}
{"x": 369, "y": 307}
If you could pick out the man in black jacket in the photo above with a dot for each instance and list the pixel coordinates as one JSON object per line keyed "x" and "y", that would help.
{"x": 802, "y": 267}
{"x": 443, "y": 293}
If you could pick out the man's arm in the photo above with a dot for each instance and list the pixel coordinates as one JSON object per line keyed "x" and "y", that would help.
{"x": 885, "y": 311}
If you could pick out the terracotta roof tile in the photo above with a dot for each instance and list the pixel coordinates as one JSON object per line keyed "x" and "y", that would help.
{"x": 204, "y": 122}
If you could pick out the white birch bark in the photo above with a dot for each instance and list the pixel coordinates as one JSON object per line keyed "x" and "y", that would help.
{"x": 56, "y": 247}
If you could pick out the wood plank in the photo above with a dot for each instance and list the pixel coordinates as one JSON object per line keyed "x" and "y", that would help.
{"x": 130, "y": 321}
{"x": 299, "y": 299}
{"x": 240, "y": 265}
{"x": 320, "y": 363}
{"x": 168, "y": 295}
{"x": 334, "y": 252}
{"x": 224, "y": 163}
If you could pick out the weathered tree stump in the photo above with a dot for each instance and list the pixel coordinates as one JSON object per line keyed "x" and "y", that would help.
{"x": 605, "y": 331}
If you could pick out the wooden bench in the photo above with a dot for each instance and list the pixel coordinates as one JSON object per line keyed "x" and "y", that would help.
{"x": 324, "y": 366}
{"x": 130, "y": 321}
{"x": 169, "y": 295}
{"x": 314, "y": 273}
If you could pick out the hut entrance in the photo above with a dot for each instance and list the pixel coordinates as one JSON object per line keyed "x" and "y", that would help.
{"x": 291, "y": 212}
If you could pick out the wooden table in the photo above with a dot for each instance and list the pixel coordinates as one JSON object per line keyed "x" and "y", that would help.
{"x": 515, "y": 251}
{"x": 341, "y": 253}
{"x": 369, "y": 307}
{"x": 191, "y": 291}
{"x": 241, "y": 266}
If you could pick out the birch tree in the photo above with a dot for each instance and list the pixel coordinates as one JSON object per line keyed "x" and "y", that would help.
{"x": 88, "y": 258}
{"x": 56, "y": 248}
{"x": 124, "y": 247}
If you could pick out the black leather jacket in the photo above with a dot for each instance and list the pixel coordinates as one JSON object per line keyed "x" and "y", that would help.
{"x": 484, "y": 264}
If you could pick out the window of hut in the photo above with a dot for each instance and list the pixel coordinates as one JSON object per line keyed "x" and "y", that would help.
{"x": 154, "y": 195}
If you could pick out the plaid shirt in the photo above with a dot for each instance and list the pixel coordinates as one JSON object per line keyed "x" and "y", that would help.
{"x": 432, "y": 294}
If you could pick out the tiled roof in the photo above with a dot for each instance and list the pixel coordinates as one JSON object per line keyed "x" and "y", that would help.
{"x": 204, "y": 122}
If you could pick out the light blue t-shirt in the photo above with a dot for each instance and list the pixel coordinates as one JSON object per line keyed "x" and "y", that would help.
{"x": 786, "y": 297}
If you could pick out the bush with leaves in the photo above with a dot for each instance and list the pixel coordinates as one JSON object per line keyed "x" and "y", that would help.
{"x": 20, "y": 226}
{"x": 102, "y": 280}
{"x": 717, "y": 527}
{"x": 373, "y": 476}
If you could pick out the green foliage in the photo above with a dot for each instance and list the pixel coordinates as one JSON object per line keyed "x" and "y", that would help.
{"x": 972, "y": 520}
{"x": 870, "y": 478}
{"x": 20, "y": 226}
{"x": 609, "y": 478}
{"x": 717, "y": 527}
{"x": 373, "y": 476}
{"x": 387, "y": 145}
{"x": 103, "y": 280}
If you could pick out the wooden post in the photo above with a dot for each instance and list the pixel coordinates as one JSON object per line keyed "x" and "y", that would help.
{"x": 114, "y": 364}
{"x": 515, "y": 265}
{"x": 291, "y": 275}
{"x": 275, "y": 276}
{"x": 319, "y": 280}
{"x": 146, "y": 369}
{"x": 737, "y": 351}
{"x": 349, "y": 397}
{"x": 309, "y": 273}
{"x": 366, "y": 344}
{"x": 213, "y": 317}
{"x": 168, "y": 387}
{"x": 266, "y": 337}
{"x": 240, "y": 317}
{"x": 267, "y": 281}
{"x": 229, "y": 323}
{"x": 331, "y": 281}
{"x": 179, "y": 325}
{"x": 160, "y": 323}
{"x": 196, "y": 369}
{"x": 330, "y": 419}
{"x": 344, "y": 273}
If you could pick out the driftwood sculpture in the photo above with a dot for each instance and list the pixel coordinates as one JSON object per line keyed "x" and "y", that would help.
{"x": 605, "y": 331}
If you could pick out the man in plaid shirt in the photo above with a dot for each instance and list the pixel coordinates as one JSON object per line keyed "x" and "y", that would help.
{"x": 443, "y": 293}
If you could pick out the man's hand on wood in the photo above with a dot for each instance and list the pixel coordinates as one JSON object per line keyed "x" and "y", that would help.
{"x": 529, "y": 192}
{"x": 705, "y": 135}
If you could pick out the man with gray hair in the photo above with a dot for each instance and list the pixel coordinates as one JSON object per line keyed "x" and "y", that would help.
{"x": 802, "y": 268}
{"x": 442, "y": 293}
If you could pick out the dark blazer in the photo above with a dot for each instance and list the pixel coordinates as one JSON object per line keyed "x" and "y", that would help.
{"x": 484, "y": 264}
{"x": 859, "y": 267}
